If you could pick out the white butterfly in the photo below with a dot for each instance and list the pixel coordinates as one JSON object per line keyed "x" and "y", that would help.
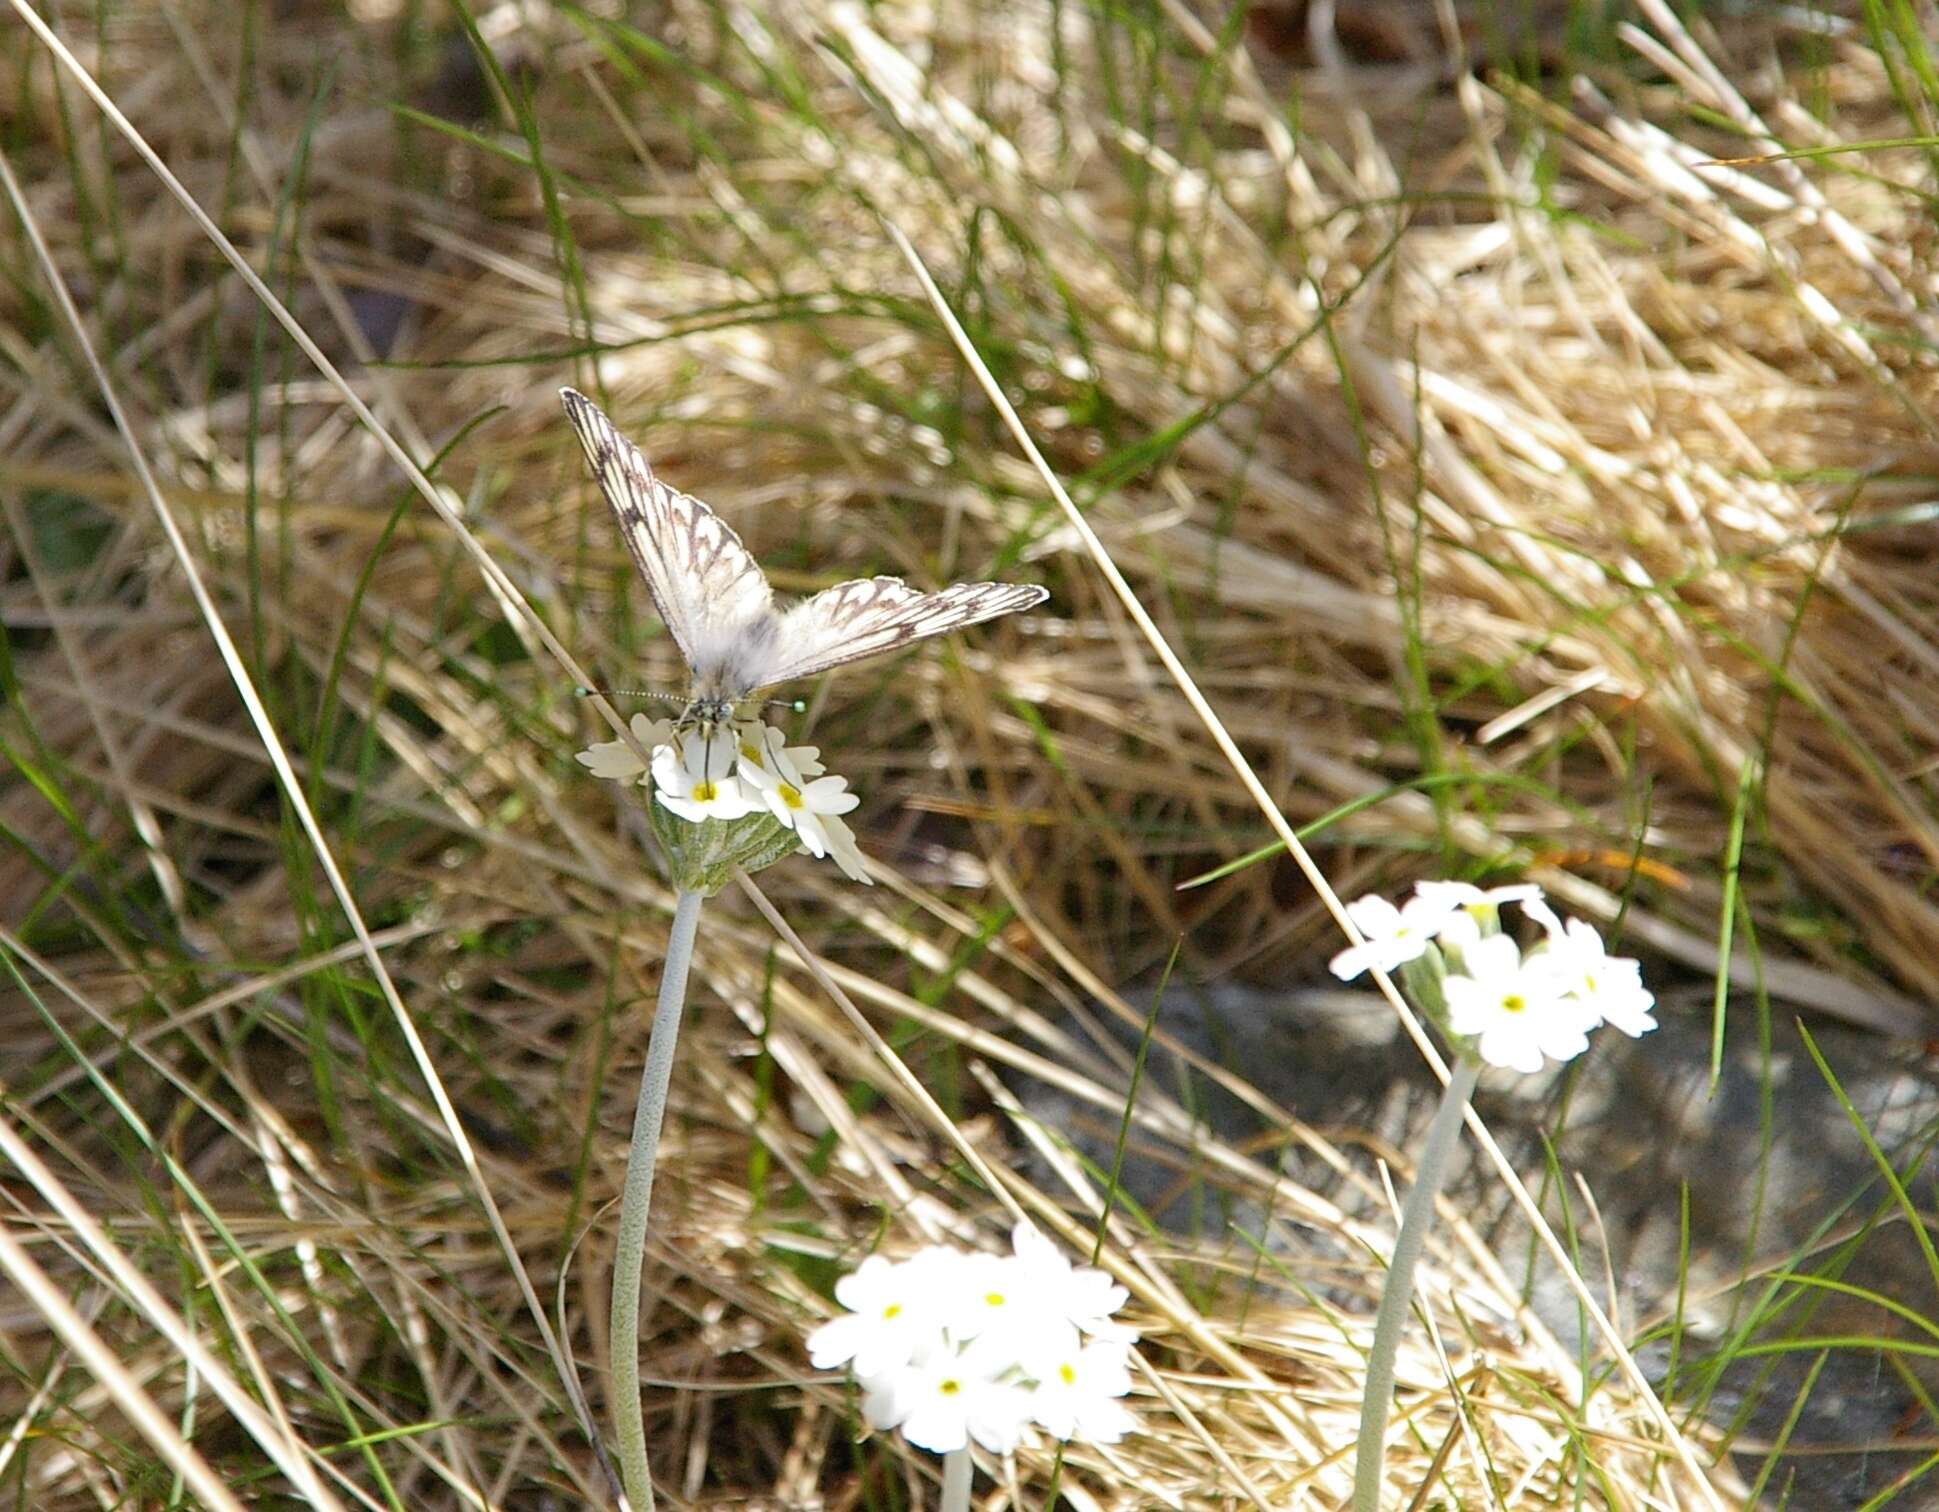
{"x": 717, "y": 601}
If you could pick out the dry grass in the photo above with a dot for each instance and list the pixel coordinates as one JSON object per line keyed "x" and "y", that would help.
{"x": 1496, "y": 462}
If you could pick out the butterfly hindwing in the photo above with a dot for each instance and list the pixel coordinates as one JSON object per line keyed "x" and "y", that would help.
{"x": 706, "y": 585}
{"x": 867, "y": 616}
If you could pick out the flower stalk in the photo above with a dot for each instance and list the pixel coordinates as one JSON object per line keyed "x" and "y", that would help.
{"x": 723, "y": 798}
{"x": 958, "y": 1471}
{"x": 1416, "y": 1220}
{"x": 1498, "y": 1006}
{"x": 637, "y": 1198}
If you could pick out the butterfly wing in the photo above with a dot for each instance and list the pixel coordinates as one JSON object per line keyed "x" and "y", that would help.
{"x": 712, "y": 594}
{"x": 868, "y": 616}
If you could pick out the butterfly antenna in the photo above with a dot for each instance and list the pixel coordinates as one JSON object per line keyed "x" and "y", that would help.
{"x": 582, "y": 691}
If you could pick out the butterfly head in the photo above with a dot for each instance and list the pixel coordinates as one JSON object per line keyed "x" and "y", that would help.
{"x": 707, "y": 712}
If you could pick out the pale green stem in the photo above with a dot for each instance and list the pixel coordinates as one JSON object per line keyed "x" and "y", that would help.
{"x": 1416, "y": 1219}
{"x": 957, "y": 1474}
{"x": 637, "y": 1198}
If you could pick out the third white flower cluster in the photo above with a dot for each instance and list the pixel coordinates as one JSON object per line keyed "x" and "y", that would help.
{"x": 731, "y": 771}
{"x": 950, "y": 1346}
{"x": 1518, "y": 1007}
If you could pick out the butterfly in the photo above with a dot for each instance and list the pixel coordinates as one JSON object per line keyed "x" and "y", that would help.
{"x": 718, "y": 603}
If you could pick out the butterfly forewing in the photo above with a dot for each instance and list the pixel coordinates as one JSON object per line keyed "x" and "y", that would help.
{"x": 868, "y": 616}
{"x": 707, "y": 587}
{"x": 716, "y": 600}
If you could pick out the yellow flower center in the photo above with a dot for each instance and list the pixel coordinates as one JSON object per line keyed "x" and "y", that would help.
{"x": 792, "y": 797}
{"x": 951, "y": 1387}
{"x": 705, "y": 792}
{"x": 893, "y": 1310}
{"x": 1069, "y": 1375}
{"x": 1513, "y": 1002}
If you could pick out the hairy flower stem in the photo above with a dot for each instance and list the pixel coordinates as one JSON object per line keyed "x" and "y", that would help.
{"x": 958, "y": 1471}
{"x": 1416, "y": 1219}
{"x": 638, "y": 1198}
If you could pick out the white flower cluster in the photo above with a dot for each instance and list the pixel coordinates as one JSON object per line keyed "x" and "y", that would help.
{"x": 733, "y": 771}
{"x": 1517, "y": 1008}
{"x": 951, "y": 1346}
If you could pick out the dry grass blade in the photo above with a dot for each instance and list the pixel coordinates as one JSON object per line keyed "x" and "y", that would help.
{"x": 275, "y": 1442}
{"x": 502, "y": 586}
{"x": 292, "y": 787}
{"x": 38, "y": 1288}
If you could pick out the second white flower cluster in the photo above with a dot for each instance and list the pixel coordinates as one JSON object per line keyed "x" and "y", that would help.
{"x": 731, "y": 771}
{"x": 950, "y": 1346}
{"x": 1518, "y": 1008}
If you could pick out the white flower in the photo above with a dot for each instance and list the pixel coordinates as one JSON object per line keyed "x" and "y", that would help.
{"x": 892, "y": 1312}
{"x": 950, "y": 1347}
{"x": 1452, "y": 895}
{"x": 1393, "y": 935}
{"x": 943, "y": 1398}
{"x": 1078, "y": 1387}
{"x": 995, "y": 1300}
{"x": 1457, "y": 932}
{"x": 616, "y": 761}
{"x": 1517, "y": 1011}
{"x": 695, "y": 779}
{"x": 1609, "y": 987}
{"x": 1084, "y": 1297}
{"x": 758, "y": 748}
{"x": 788, "y": 781}
{"x": 804, "y": 806}
{"x": 843, "y": 851}
{"x": 762, "y": 745}
{"x": 1466, "y": 908}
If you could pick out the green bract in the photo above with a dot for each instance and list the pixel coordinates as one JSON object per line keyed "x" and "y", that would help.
{"x": 702, "y": 857}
